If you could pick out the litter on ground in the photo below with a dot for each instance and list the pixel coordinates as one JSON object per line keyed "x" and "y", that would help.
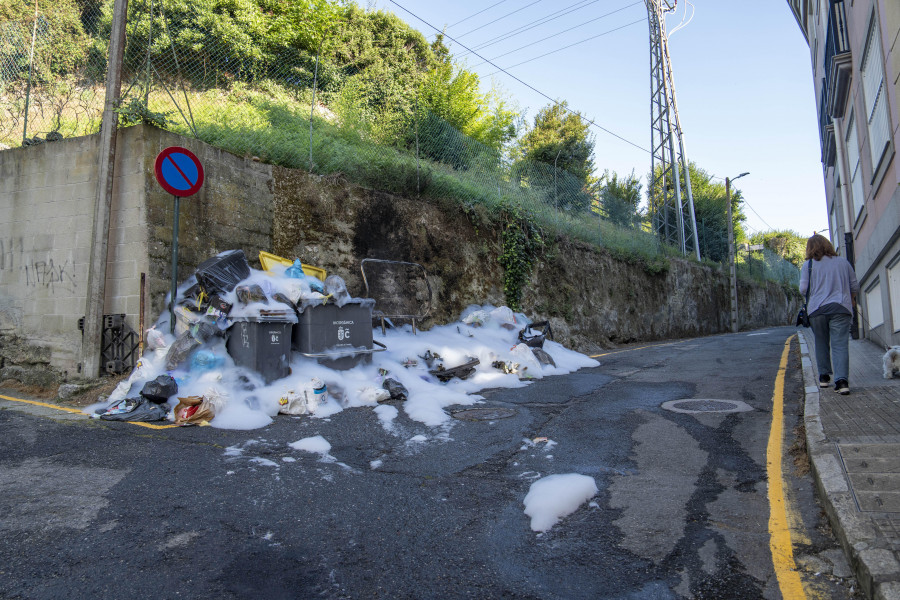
{"x": 248, "y": 345}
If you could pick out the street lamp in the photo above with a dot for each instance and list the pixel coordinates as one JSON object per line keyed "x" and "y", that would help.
{"x": 733, "y": 269}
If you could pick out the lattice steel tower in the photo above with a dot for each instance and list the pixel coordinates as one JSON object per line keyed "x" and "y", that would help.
{"x": 671, "y": 207}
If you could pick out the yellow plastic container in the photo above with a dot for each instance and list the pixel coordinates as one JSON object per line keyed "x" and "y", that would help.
{"x": 269, "y": 260}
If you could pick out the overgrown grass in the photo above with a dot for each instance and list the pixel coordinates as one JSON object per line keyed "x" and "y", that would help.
{"x": 273, "y": 123}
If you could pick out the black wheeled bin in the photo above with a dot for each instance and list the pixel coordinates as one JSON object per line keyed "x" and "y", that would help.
{"x": 262, "y": 344}
{"x": 339, "y": 337}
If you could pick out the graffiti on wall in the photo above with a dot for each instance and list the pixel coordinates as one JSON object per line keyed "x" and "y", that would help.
{"x": 37, "y": 270}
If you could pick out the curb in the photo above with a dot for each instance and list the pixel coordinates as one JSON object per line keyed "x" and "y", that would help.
{"x": 876, "y": 569}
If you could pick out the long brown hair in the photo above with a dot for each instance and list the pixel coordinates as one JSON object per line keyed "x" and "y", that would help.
{"x": 818, "y": 246}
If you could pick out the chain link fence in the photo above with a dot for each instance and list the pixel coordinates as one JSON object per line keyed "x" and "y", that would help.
{"x": 285, "y": 106}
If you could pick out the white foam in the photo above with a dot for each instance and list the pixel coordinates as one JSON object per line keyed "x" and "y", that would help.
{"x": 316, "y": 444}
{"x": 551, "y": 498}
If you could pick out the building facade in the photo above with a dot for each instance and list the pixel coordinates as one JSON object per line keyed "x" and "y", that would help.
{"x": 855, "y": 59}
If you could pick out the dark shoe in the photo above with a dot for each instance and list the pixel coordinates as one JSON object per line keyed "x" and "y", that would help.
{"x": 824, "y": 380}
{"x": 842, "y": 387}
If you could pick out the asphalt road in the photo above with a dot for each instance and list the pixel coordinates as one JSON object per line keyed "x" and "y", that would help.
{"x": 91, "y": 509}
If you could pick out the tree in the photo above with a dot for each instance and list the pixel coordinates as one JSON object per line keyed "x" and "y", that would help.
{"x": 711, "y": 213}
{"x": 451, "y": 94}
{"x": 560, "y": 138}
{"x": 786, "y": 243}
{"x": 556, "y": 158}
{"x": 620, "y": 199}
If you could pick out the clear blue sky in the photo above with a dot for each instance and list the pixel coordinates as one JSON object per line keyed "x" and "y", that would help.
{"x": 742, "y": 79}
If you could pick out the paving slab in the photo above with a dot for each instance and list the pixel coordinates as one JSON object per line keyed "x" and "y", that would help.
{"x": 854, "y": 447}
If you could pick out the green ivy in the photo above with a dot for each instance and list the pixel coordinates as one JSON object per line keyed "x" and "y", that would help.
{"x": 521, "y": 241}
{"x": 135, "y": 112}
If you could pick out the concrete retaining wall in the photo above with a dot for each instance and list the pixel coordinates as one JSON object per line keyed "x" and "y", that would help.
{"x": 47, "y": 196}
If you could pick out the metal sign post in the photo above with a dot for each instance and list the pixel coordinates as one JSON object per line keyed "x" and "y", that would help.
{"x": 180, "y": 173}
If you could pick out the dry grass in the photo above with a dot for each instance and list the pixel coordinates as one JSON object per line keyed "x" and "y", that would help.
{"x": 32, "y": 391}
{"x": 799, "y": 453}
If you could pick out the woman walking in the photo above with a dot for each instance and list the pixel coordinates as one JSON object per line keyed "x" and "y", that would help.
{"x": 832, "y": 288}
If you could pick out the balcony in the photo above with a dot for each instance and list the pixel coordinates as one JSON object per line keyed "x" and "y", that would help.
{"x": 826, "y": 134}
{"x": 838, "y": 67}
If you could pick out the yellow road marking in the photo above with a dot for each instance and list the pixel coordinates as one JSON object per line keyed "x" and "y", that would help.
{"x": 779, "y": 532}
{"x": 79, "y": 411}
{"x": 638, "y": 348}
{"x": 44, "y": 404}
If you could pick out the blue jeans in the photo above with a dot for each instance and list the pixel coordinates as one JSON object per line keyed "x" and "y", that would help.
{"x": 832, "y": 333}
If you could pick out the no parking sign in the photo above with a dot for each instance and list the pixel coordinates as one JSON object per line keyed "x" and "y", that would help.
{"x": 180, "y": 173}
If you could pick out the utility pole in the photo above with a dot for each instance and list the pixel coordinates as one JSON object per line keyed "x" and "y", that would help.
{"x": 92, "y": 335}
{"x": 732, "y": 266}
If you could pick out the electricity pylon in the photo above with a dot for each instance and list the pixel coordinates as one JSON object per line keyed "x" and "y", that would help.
{"x": 670, "y": 205}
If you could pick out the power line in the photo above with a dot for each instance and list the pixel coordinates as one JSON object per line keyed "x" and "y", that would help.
{"x": 529, "y": 86}
{"x": 536, "y": 23}
{"x": 603, "y": 16}
{"x": 489, "y": 22}
{"x": 476, "y": 14}
{"x": 570, "y": 45}
{"x": 758, "y": 215}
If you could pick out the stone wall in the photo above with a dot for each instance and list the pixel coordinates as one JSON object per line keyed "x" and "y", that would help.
{"x": 592, "y": 298}
{"x": 47, "y": 192}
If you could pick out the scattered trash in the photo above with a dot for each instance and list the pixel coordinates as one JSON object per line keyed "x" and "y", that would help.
{"x": 533, "y": 337}
{"x": 135, "y": 409}
{"x": 396, "y": 389}
{"x": 543, "y": 357}
{"x": 462, "y": 371}
{"x": 306, "y": 401}
{"x": 243, "y": 334}
{"x": 508, "y": 368}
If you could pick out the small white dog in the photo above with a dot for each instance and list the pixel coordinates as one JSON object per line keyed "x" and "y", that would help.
{"x": 892, "y": 362}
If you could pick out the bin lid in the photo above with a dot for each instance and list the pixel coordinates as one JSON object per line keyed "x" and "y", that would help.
{"x": 366, "y": 302}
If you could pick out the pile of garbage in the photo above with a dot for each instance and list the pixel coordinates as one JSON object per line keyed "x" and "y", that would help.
{"x": 224, "y": 367}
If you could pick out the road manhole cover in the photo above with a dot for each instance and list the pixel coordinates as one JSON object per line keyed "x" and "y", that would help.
{"x": 706, "y": 405}
{"x": 484, "y": 414}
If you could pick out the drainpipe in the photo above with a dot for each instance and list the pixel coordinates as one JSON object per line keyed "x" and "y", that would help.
{"x": 96, "y": 286}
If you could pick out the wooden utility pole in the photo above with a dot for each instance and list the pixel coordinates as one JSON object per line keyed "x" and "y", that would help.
{"x": 96, "y": 289}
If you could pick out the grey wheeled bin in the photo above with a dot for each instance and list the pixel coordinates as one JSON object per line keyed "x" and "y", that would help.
{"x": 339, "y": 337}
{"x": 262, "y": 344}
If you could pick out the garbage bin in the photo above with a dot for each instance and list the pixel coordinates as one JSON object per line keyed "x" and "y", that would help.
{"x": 339, "y": 337}
{"x": 262, "y": 344}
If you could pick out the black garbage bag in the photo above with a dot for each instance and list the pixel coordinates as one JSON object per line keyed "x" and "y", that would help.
{"x": 160, "y": 389}
{"x": 179, "y": 350}
{"x": 139, "y": 409}
{"x": 223, "y": 272}
{"x": 397, "y": 390}
{"x": 533, "y": 336}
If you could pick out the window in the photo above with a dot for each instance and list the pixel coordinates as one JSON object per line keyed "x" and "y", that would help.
{"x": 874, "y": 306}
{"x": 856, "y": 185}
{"x": 874, "y": 94}
{"x": 894, "y": 292}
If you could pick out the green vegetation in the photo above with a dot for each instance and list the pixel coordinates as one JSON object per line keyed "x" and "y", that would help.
{"x": 331, "y": 87}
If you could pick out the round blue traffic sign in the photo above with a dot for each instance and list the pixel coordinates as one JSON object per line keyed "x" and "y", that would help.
{"x": 178, "y": 171}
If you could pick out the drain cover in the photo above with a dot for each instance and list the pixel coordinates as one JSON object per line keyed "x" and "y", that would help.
{"x": 706, "y": 405}
{"x": 484, "y": 414}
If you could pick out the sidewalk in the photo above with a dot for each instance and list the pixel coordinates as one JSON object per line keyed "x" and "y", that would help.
{"x": 854, "y": 448}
